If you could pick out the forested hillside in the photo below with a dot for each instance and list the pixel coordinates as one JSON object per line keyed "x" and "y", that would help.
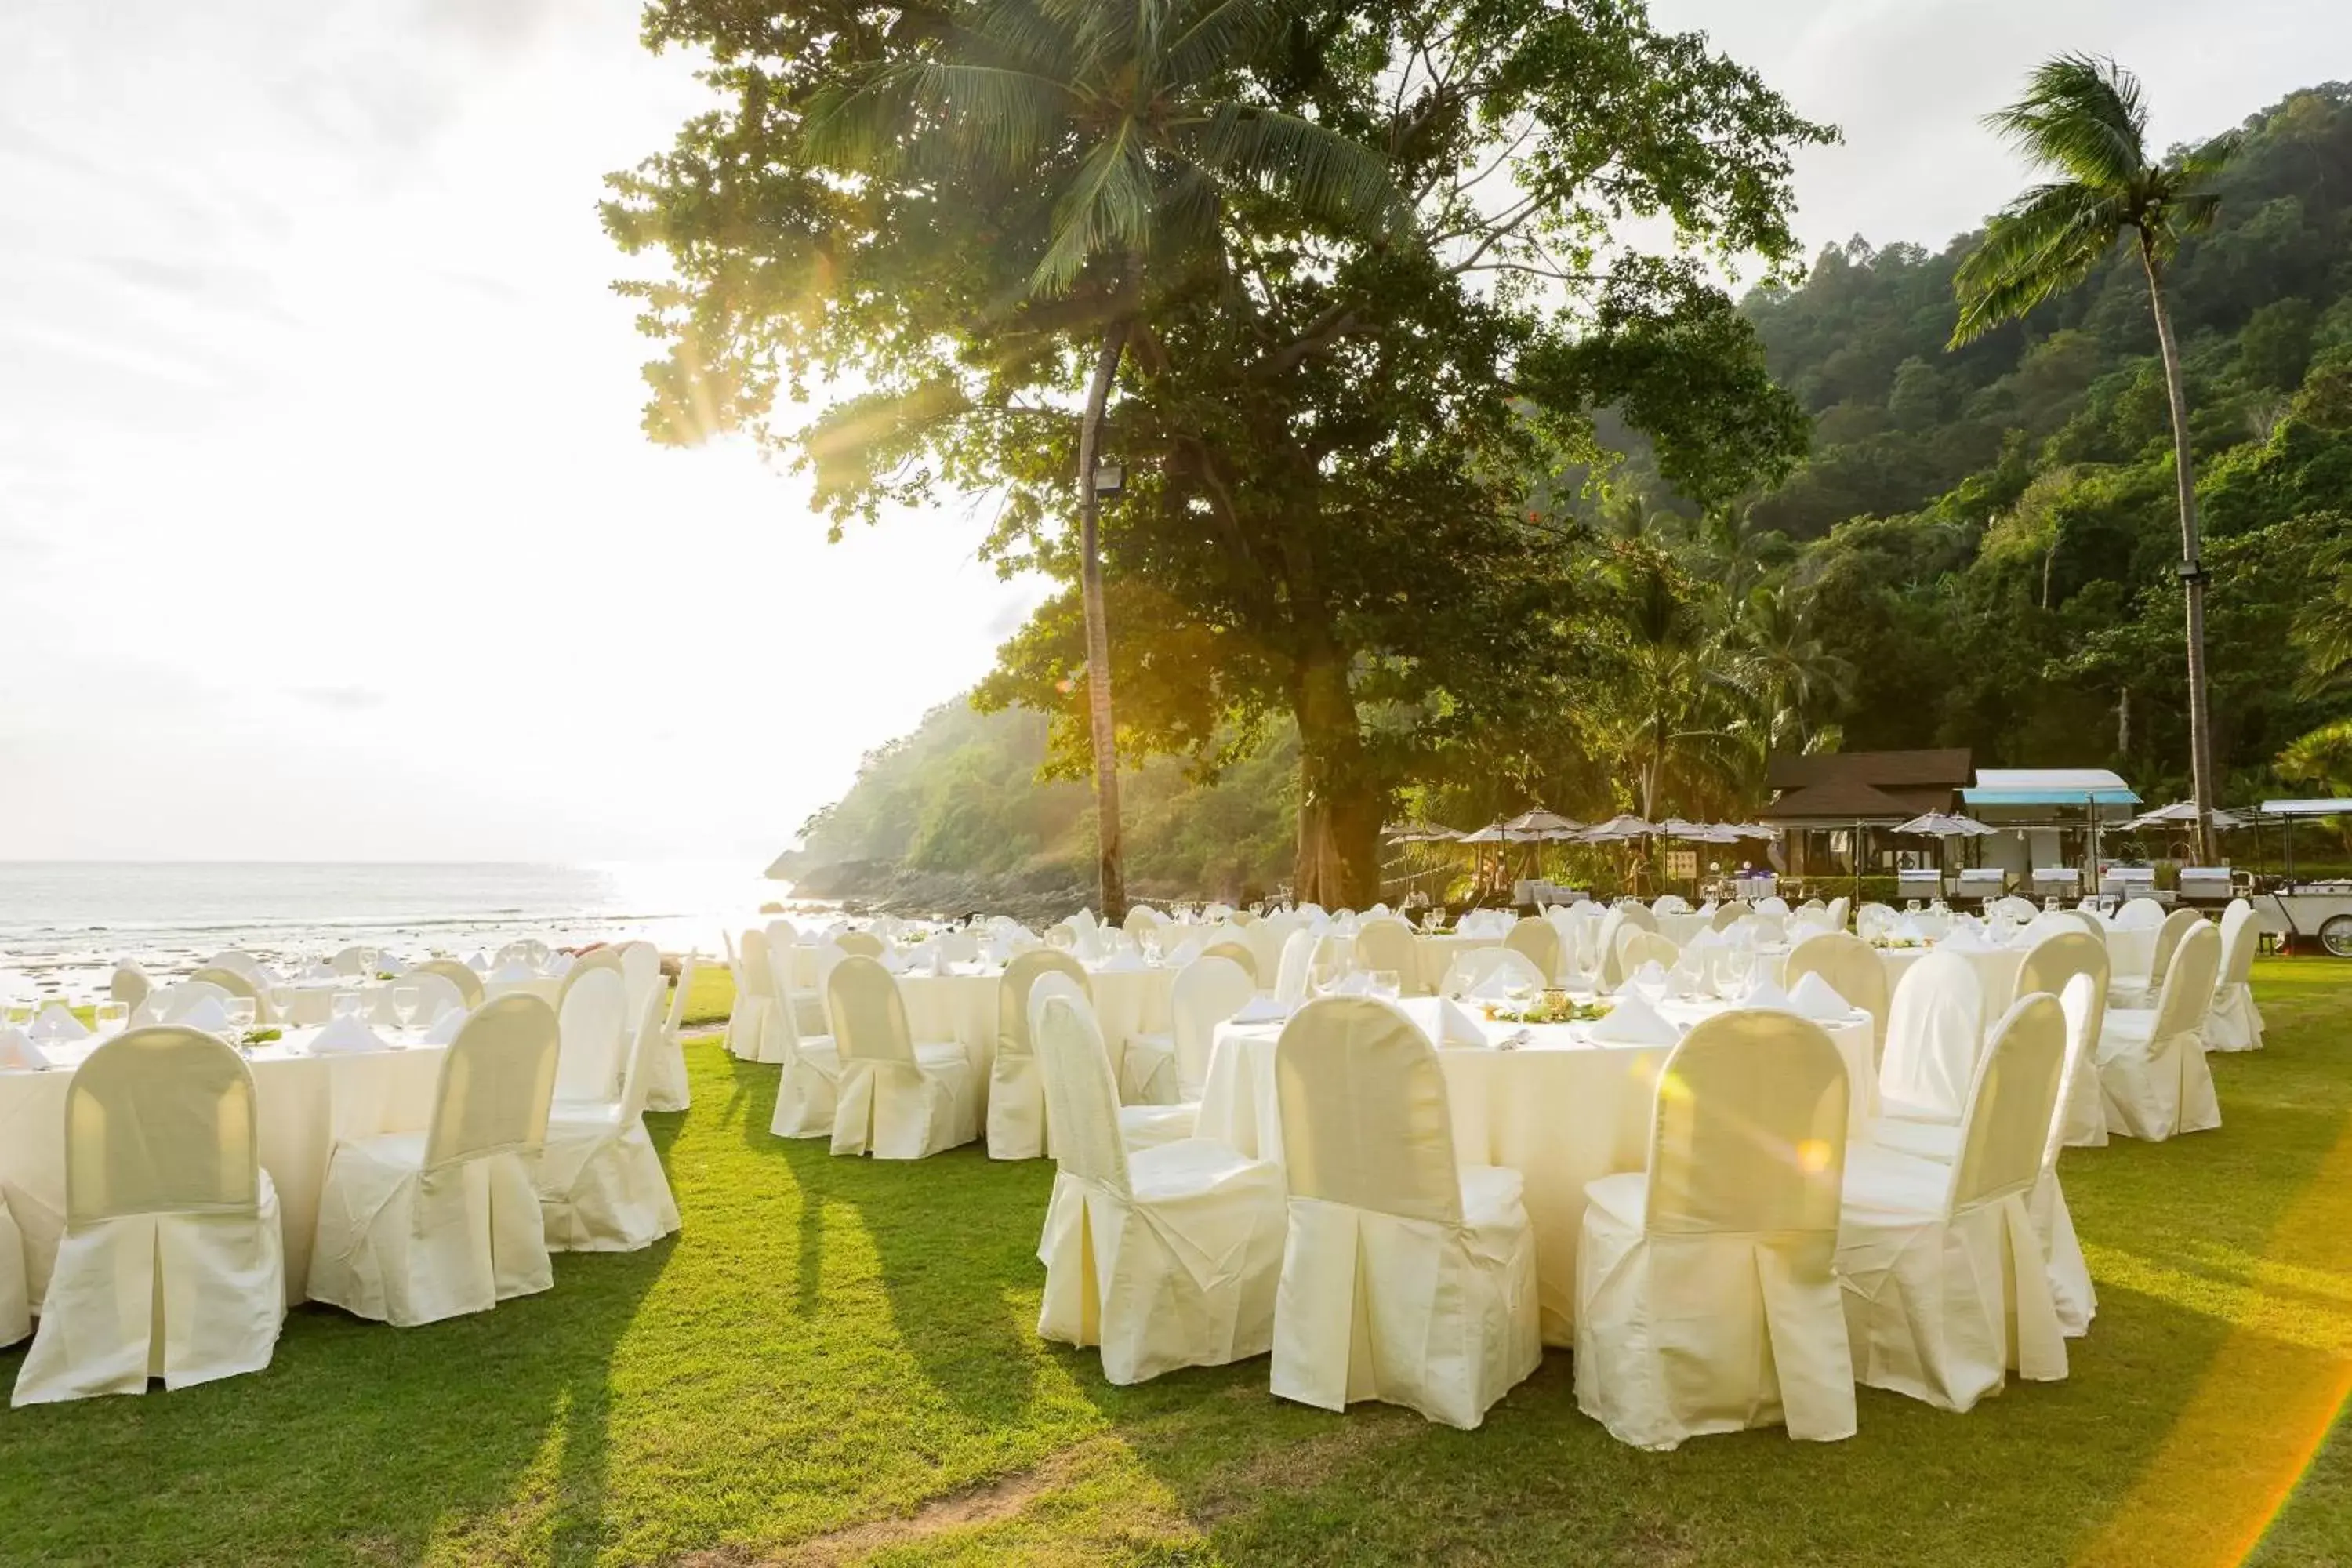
{"x": 1978, "y": 551}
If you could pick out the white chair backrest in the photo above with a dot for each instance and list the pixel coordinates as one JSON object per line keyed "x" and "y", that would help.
{"x": 2240, "y": 936}
{"x": 636, "y": 1071}
{"x": 1873, "y": 920}
{"x": 496, "y": 1080}
{"x": 1935, "y": 1033}
{"x": 1539, "y": 942}
{"x": 2189, "y": 980}
{"x": 1364, "y": 1117}
{"x": 1633, "y": 912}
{"x": 1206, "y": 993}
{"x": 2012, "y": 906}
{"x": 1297, "y": 964}
{"x": 1081, "y": 1100}
{"x": 675, "y": 1018}
{"x": 1636, "y": 948}
{"x": 1849, "y": 966}
{"x": 1755, "y": 929}
{"x": 1837, "y": 911}
{"x": 161, "y": 1120}
{"x": 435, "y": 994}
{"x": 2139, "y": 914}
{"x": 758, "y": 971}
{"x": 592, "y": 1028}
{"x": 175, "y": 1001}
{"x": 1732, "y": 913}
{"x": 783, "y": 937}
{"x": 1479, "y": 964}
{"x": 859, "y": 943}
{"x": 237, "y": 958}
{"x": 1748, "y": 1134}
{"x": 1612, "y": 927}
{"x": 354, "y": 961}
{"x": 130, "y": 984}
{"x": 869, "y": 1015}
{"x": 467, "y": 983}
{"x": 641, "y": 969}
{"x": 1772, "y": 904}
{"x": 1141, "y": 918}
{"x": 1386, "y": 942}
{"x": 2072, "y": 967}
{"x": 235, "y": 985}
{"x": 603, "y": 961}
{"x": 2005, "y": 1130}
{"x": 1013, "y": 994}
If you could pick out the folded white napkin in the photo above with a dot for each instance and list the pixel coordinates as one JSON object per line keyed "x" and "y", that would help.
{"x": 1650, "y": 974}
{"x": 1083, "y": 920}
{"x": 514, "y": 968}
{"x": 1633, "y": 1022}
{"x": 1186, "y": 952}
{"x": 1767, "y": 992}
{"x": 1261, "y": 1010}
{"x": 1817, "y": 999}
{"x": 444, "y": 1028}
{"x": 390, "y": 963}
{"x": 56, "y": 1022}
{"x": 479, "y": 963}
{"x": 321, "y": 972}
{"x": 1964, "y": 938}
{"x": 1354, "y": 984}
{"x": 1495, "y": 987}
{"x": 1120, "y": 963}
{"x": 17, "y": 1050}
{"x": 1908, "y": 929}
{"x": 344, "y": 1036}
{"x": 207, "y": 1014}
{"x": 1705, "y": 938}
{"x": 892, "y": 960}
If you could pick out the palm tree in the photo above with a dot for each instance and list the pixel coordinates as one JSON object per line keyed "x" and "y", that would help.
{"x": 2084, "y": 119}
{"x": 1136, "y": 118}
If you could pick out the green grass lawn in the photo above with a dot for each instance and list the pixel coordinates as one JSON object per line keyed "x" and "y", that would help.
{"x": 836, "y": 1362}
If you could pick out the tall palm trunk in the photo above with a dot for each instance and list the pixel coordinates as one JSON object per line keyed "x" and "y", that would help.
{"x": 2192, "y": 571}
{"x": 1110, "y": 875}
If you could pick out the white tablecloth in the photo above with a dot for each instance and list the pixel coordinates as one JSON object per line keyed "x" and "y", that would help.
{"x": 546, "y": 988}
{"x": 1679, "y": 928}
{"x": 1996, "y": 973}
{"x": 962, "y": 1008}
{"x": 1562, "y": 1112}
{"x": 1438, "y": 953}
{"x": 302, "y": 1103}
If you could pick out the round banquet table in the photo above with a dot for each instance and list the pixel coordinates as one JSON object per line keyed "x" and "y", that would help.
{"x": 302, "y": 1104}
{"x": 962, "y": 1008}
{"x": 314, "y": 1000}
{"x": 1996, "y": 973}
{"x": 1561, "y": 1111}
{"x": 1438, "y": 953}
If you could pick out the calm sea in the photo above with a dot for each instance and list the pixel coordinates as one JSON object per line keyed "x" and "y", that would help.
{"x": 64, "y": 925}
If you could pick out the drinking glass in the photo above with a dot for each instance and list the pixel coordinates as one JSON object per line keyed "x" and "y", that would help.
{"x": 406, "y": 1000}
{"x": 1326, "y": 974}
{"x": 1738, "y": 964}
{"x": 282, "y": 998}
{"x": 242, "y": 1011}
{"x": 112, "y": 1016}
{"x": 1151, "y": 947}
{"x": 346, "y": 1003}
{"x": 1386, "y": 983}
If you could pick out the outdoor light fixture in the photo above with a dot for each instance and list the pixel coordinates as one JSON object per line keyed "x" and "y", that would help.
{"x": 1110, "y": 478}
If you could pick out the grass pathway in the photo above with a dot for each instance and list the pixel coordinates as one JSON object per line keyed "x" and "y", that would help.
{"x": 835, "y": 1363}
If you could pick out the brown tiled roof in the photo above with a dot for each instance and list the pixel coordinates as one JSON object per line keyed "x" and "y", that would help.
{"x": 1841, "y": 800}
{"x": 1947, "y": 768}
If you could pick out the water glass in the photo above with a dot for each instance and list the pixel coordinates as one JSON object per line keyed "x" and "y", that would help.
{"x": 112, "y": 1016}
{"x": 282, "y": 998}
{"x": 1387, "y": 983}
{"x": 242, "y": 1013}
{"x": 406, "y": 1000}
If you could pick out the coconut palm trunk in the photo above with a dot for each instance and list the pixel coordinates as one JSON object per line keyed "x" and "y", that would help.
{"x": 1110, "y": 872}
{"x": 2192, "y": 571}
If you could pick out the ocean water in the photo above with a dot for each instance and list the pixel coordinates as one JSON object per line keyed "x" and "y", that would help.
{"x": 65, "y": 924}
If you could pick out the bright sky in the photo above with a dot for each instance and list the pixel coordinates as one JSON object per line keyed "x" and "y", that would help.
{"x": 326, "y": 527}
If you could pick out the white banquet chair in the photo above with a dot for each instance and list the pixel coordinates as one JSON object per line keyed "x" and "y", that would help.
{"x": 1406, "y": 1278}
{"x": 1017, "y": 1123}
{"x": 1296, "y": 967}
{"x": 1935, "y": 1035}
{"x": 468, "y": 985}
{"x": 1946, "y": 1287}
{"x": 1705, "y": 1296}
{"x": 2152, "y": 1070}
{"x": 1637, "y": 947}
{"x": 1731, "y": 912}
{"x": 236, "y": 983}
{"x": 2072, "y": 967}
{"x": 1239, "y": 955}
{"x": 435, "y": 994}
{"x": 417, "y": 1227}
{"x": 807, "y": 1094}
{"x": 1478, "y": 970}
{"x": 128, "y": 985}
{"x": 351, "y": 962}
{"x": 1382, "y": 942}
{"x": 1206, "y": 993}
{"x": 600, "y": 1180}
{"x": 756, "y": 997}
{"x": 592, "y": 1028}
{"x": 1849, "y": 966}
{"x": 668, "y": 1087}
{"x": 1535, "y": 939}
{"x": 171, "y": 1264}
{"x": 2142, "y": 991}
{"x": 896, "y": 1099}
{"x": 2139, "y": 914}
{"x": 1165, "y": 1258}
{"x": 1140, "y": 1127}
{"x": 858, "y": 944}
{"x": 2235, "y": 1024}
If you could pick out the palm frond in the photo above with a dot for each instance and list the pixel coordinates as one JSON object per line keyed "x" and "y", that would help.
{"x": 1225, "y": 34}
{"x": 2080, "y": 114}
{"x": 1324, "y": 171}
{"x": 1108, "y": 206}
{"x": 2047, "y": 241}
{"x": 993, "y": 115}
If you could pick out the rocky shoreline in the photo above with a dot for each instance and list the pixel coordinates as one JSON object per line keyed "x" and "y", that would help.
{"x": 885, "y": 888}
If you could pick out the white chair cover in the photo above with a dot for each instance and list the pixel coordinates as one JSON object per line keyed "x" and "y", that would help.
{"x": 128, "y": 985}
{"x": 1535, "y": 939}
{"x": 467, "y": 983}
{"x": 1384, "y": 942}
{"x": 1165, "y": 1258}
{"x": 894, "y": 1100}
{"x": 2073, "y": 968}
{"x": 236, "y": 982}
{"x": 2152, "y": 1069}
{"x": 1946, "y": 1290}
{"x": 666, "y": 1085}
{"x": 1206, "y": 992}
{"x": 1935, "y": 1033}
{"x": 414, "y": 1228}
{"x": 2235, "y": 1024}
{"x": 435, "y": 994}
{"x": 756, "y": 997}
{"x": 2139, "y": 914}
{"x": 1852, "y": 968}
{"x": 2141, "y": 991}
{"x": 1406, "y": 1278}
{"x": 1296, "y": 967}
{"x": 808, "y": 1094}
{"x": 1637, "y": 947}
{"x": 1480, "y": 967}
{"x": 1705, "y": 1298}
{"x": 1017, "y": 1126}
{"x": 601, "y": 1184}
{"x": 172, "y": 1265}
{"x": 592, "y": 1022}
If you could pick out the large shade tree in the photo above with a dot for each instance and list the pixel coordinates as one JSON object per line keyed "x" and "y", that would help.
{"x": 2085, "y": 120}
{"x": 1327, "y": 425}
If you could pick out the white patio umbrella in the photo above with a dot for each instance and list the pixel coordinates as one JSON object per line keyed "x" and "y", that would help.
{"x": 1540, "y": 826}
{"x": 1623, "y": 826}
{"x": 1943, "y": 825}
{"x": 2182, "y": 814}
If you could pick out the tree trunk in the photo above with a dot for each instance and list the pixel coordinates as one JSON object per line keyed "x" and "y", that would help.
{"x": 1111, "y": 874}
{"x": 2192, "y": 571}
{"x": 1339, "y": 804}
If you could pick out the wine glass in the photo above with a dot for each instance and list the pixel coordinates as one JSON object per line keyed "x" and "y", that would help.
{"x": 1737, "y": 964}
{"x": 1326, "y": 974}
{"x": 242, "y": 1011}
{"x": 406, "y": 1000}
{"x": 282, "y": 998}
{"x": 112, "y": 1015}
{"x": 1387, "y": 983}
{"x": 1151, "y": 947}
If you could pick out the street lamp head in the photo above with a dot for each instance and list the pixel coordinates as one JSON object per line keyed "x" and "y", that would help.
{"x": 1110, "y": 478}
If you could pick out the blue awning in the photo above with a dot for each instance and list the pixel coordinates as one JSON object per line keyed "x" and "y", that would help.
{"x": 2046, "y": 796}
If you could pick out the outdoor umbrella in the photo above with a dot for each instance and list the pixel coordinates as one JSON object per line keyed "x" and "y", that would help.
{"x": 2182, "y": 813}
{"x": 1623, "y": 826}
{"x": 1747, "y": 830}
{"x": 1420, "y": 833}
{"x": 1941, "y": 824}
{"x": 1539, "y": 826}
